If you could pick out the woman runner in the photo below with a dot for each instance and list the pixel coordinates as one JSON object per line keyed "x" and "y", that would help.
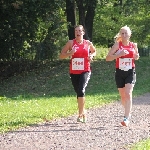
{"x": 81, "y": 52}
{"x": 124, "y": 52}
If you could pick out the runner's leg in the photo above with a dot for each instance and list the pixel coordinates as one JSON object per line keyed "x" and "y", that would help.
{"x": 128, "y": 99}
{"x": 84, "y": 78}
{"x": 122, "y": 95}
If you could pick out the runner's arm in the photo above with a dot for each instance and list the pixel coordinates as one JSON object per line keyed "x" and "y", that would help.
{"x": 92, "y": 50}
{"x": 136, "y": 54}
{"x": 111, "y": 54}
{"x": 67, "y": 50}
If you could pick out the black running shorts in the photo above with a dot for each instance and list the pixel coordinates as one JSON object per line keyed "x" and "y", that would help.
{"x": 123, "y": 77}
{"x": 79, "y": 82}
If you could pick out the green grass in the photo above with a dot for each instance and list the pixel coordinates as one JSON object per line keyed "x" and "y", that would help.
{"x": 47, "y": 93}
{"x": 142, "y": 145}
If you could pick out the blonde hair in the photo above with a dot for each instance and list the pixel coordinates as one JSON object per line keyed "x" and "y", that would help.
{"x": 118, "y": 35}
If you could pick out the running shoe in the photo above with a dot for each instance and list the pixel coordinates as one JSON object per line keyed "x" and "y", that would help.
{"x": 84, "y": 119}
{"x": 80, "y": 119}
{"x": 125, "y": 122}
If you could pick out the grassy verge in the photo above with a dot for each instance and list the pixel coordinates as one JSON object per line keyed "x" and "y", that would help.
{"x": 47, "y": 93}
{"x": 143, "y": 145}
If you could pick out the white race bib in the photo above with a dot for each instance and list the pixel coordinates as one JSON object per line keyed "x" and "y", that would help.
{"x": 78, "y": 64}
{"x": 125, "y": 63}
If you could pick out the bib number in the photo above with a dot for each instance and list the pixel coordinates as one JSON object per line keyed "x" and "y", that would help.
{"x": 125, "y": 63}
{"x": 78, "y": 64}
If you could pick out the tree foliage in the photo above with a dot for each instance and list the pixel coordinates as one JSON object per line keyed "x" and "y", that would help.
{"x": 114, "y": 14}
{"x": 21, "y": 22}
{"x": 35, "y": 29}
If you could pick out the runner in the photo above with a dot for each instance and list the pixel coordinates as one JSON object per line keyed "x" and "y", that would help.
{"x": 124, "y": 52}
{"x": 81, "y": 52}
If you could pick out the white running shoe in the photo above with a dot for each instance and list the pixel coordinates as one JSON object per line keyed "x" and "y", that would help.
{"x": 125, "y": 122}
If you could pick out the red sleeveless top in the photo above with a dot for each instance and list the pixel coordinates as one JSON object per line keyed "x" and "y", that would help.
{"x": 79, "y": 61}
{"x": 130, "y": 49}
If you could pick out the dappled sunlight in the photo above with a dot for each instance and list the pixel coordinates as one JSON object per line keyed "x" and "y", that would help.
{"x": 47, "y": 82}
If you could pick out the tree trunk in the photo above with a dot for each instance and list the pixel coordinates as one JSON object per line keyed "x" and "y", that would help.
{"x": 89, "y": 18}
{"x": 70, "y": 18}
{"x": 81, "y": 9}
{"x": 86, "y": 16}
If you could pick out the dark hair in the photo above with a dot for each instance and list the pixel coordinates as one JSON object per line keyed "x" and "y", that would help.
{"x": 79, "y": 26}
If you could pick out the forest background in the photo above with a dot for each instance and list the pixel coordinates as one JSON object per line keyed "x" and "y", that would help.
{"x": 35, "y": 30}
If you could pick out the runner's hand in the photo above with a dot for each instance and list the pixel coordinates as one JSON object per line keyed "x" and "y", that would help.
{"x": 90, "y": 58}
{"x": 123, "y": 52}
{"x": 73, "y": 51}
{"x": 136, "y": 56}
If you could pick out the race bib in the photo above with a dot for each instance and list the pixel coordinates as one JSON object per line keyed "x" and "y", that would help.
{"x": 125, "y": 63}
{"x": 78, "y": 64}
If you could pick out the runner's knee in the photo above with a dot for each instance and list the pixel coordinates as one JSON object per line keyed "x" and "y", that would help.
{"x": 81, "y": 93}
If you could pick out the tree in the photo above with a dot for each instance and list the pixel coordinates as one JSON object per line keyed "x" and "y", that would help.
{"x": 113, "y": 14}
{"x": 70, "y": 11}
{"x": 26, "y": 22}
{"x": 86, "y": 13}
